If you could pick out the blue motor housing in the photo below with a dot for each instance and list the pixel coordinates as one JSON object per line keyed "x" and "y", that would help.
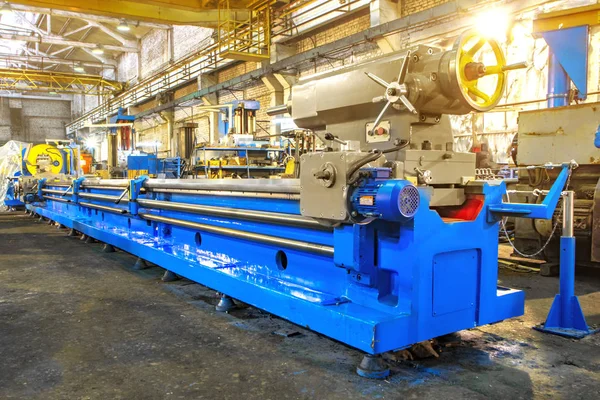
{"x": 384, "y": 198}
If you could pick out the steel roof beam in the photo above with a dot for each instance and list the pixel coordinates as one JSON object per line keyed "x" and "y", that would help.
{"x": 51, "y": 60}
{"x": 65, "y": 42}
{"x": 89, "y": 17}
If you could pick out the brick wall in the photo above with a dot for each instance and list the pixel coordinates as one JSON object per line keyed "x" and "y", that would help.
{"x": 189, "y": 39}
{"x": 127, "y": 68}
{"x": 153, "y": 52}
{"x": 413, "y": 6}
{"x": 346, "y": 27}
{"x": 33, "y": 120}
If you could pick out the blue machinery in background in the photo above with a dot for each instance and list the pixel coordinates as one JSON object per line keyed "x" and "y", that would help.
{"x": 408, "y": 276}
{"x": 567, "y": 61}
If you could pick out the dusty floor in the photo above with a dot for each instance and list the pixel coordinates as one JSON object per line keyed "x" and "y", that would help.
{"x": 76, "y": 323}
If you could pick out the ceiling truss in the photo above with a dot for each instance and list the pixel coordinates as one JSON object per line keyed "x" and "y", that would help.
{"x": 64, "y": 43}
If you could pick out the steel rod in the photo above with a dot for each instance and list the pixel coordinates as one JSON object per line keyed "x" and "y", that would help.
{"x": 261, "y": 216}
{"x": 103, "y": 208}
{"x": 257, "y": 237}
{"x": 284, "y": 196}
{"x": 57, "y": 199}
{"x": 291, "y": 186}
{"x": 111, "y": 183}
{"x": 61, "y": 192}
{"x": 568, "y": 213}
{"x": 101, "y": 197}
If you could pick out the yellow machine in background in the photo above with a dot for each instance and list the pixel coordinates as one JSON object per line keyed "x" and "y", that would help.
{"x": 44, "y": 158}
{"x": 53, "y": 157}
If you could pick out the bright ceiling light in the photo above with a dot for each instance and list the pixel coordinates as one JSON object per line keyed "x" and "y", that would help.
{"x": 493, "y": 23}
{"x": 98, "y": 49}
{"x": 90, "y": 142}
{"x": 78, "y": 68}
{"x": 123, "y": 27}
{"x": 6, "y": 9}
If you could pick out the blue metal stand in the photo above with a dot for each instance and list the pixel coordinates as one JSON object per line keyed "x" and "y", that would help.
{"x": 566, "y": 317}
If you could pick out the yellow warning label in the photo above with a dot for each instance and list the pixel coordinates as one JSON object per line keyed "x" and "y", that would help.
{"x": 366, "y": 200}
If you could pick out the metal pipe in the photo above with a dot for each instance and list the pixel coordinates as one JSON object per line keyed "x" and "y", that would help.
{"x": 257, "y": 237}
{"x": 101, "y": 197}
{"x": 278, "y": 110}
{"x": 558, "y": 83}
{"x": 57, "y": 199}
{"x": 61, "y": 192}
{"x": 119, "y": 188}
{"x": 231, "y": 194}
{"x": 252, "y": 215}
{"x": 568, "y": 213}
{"x": 228, "y": 185}
{"x": 106, "y": 182}
{"x": 103, "y": 208}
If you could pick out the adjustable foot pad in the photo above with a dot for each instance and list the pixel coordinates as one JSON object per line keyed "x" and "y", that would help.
{"x": 373, "y": 367}
{"x": 140, "y": 264}
{"x": 226, "y": 304}
{"x": 170, "y": 276}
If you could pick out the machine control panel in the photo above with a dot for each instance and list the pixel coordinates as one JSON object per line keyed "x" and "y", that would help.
{"x": 380, "y": 134}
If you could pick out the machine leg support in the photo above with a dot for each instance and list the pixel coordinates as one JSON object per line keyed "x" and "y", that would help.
{"x": 140, "y": 264}
{"x": 373, "y": 367}
{"x": 50, "y": 222}
{"x": 226, "y": 304}
{"x": 170, "y": 276}
{"x": 90, "y": 240}
{"x": 83, "y": 237}
{"x": 72, "y": 232}
{"x": 60, "y": 226}
{"x": 566, "y": 316}
{"x": 108, "y": 248}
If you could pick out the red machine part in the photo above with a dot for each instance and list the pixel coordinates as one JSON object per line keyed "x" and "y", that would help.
{"x": 465, "y": 212}
{"x": 125, "y": 138}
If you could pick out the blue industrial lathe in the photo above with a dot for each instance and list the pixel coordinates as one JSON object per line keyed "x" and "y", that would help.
{"x": 384, "y": 241}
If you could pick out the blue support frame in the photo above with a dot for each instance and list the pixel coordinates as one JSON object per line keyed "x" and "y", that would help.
{"x": 388, "y": 285}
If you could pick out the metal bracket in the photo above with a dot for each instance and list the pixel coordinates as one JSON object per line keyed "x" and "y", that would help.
{"x": 544, "y": 210}
{"x": 135, "y": 186}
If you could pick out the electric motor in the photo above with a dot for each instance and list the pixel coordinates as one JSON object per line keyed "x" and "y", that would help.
{"x": 388, "y": 199}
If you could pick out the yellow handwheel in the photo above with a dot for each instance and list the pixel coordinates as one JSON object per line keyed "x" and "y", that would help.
{"x": 472, "y": 72}
{"x": 44, "y": 151}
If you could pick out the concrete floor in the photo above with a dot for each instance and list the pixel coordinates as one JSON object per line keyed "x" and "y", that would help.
{"x": 80, "y": 324}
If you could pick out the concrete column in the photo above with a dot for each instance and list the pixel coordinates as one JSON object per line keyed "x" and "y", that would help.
{"x": 276, "y": 97}
{"x": 205, "y": 81}
{"x": 279, "y": 89}
{"x": 169, "y": 116}
{"x": 280, "y": 51}
{"x": 383, "y": 11}
{"x": 286, "y": 81}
